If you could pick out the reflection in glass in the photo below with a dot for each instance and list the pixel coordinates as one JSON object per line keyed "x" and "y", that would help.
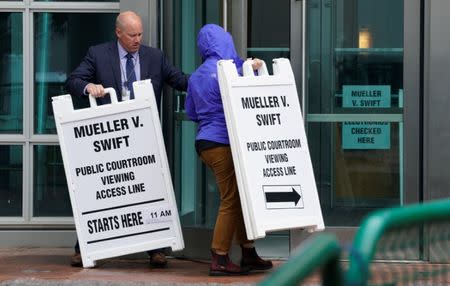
{"x": 11, "y": 172}
{"x": 11, "y": 69}
{"x": 61, "y": 40}
{"x": 51, "y": 195}
{"x": 263, "y": 33}
{"x": 355, "y": 68}
{"x": 195, "y": 188}
{"x": 268, "y": 39}
{"x": 365, "y": 38}
{"x": 197, "y": 207}
{"x": 186, "y": 184}
{"x": 354, "y": 181}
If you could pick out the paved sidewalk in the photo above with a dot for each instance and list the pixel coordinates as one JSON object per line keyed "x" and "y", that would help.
{"x": 50, "y": 266}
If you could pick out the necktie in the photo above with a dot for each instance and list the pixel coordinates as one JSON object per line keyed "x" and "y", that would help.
{"x": 131, "y": 76}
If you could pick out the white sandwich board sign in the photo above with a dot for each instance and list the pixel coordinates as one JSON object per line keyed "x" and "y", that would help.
{"x": 118, "y": 175}
{"x": 270, "y": 151}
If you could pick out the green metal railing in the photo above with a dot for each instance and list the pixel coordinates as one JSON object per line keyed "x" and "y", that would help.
{"x": 323, "y": 251}
{"x": 377, "y": 224}
{"x": 320, "y": 251}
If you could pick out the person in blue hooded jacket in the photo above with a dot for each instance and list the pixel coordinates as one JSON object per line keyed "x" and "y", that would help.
{"x": 204, "y": 106}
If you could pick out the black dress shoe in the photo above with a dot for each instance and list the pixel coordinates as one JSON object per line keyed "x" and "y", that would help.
{"x": 158, "y": 259}
{"x": 251, "y": 260}
{"x": 76, "y": 260}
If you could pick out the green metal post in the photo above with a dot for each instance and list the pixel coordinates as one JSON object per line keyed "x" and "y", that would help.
{"x": 320, "y": 250}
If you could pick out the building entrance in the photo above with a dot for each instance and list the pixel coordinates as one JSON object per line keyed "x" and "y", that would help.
{"x": 349, "y": 64}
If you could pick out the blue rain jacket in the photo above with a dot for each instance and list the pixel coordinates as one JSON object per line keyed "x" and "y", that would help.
{"x": 203, "y": 102}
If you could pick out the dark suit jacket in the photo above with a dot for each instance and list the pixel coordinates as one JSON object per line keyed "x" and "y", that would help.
{"x": 102, "y": 66}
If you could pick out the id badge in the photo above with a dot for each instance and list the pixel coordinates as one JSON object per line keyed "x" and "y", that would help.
{"x": 125, "y": 94}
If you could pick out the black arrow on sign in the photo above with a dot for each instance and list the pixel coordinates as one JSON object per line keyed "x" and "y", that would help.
{"x": 283, "y": 197}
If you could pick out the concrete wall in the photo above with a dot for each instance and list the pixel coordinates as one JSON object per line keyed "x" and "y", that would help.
{"x": 437, "y": 100}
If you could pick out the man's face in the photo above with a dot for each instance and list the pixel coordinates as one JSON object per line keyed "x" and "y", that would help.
{"x": 130, "y": 35}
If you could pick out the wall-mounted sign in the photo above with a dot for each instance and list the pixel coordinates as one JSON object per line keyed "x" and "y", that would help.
{"x": 118, "y": 175}
{"x": 366, "y": 135}
{"x": 366, "y": 96}
{"x": 270, "y": 151}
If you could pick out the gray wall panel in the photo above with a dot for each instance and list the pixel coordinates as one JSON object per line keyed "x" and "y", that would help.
{"x": 238, "y": 25}
{"x": 412, "y": 112}
{"x": 148, "y": 10}
{"x": 38, "y": 238}
{"x": 437, "y": 99}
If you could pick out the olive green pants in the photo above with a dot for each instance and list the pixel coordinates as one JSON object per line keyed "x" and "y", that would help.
{"x": 229, "y": 221}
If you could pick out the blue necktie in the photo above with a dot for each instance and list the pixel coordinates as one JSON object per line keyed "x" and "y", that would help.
{"x": 131, "y": 76}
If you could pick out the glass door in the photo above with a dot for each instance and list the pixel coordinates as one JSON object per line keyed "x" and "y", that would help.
{"x": 355, "y": 99}
{"x": 355, "y": 105}
{"x": 194, "y": 185}
{"x": 268, "y": 35}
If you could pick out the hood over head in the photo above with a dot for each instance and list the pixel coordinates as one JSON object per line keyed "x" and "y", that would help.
{"x": 214, "y": 41}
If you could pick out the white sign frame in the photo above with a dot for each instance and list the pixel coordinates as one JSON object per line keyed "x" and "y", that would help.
{"x": 138, "y": 223}
{"x": 263, "y": 208}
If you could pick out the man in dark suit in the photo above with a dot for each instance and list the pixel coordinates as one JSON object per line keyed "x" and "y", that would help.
{"x": 105, "y": 65}
{"x": 118, "y": 64}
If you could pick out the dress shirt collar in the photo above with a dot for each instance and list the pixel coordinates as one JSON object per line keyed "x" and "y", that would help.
{"x": 123, "y": 52}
